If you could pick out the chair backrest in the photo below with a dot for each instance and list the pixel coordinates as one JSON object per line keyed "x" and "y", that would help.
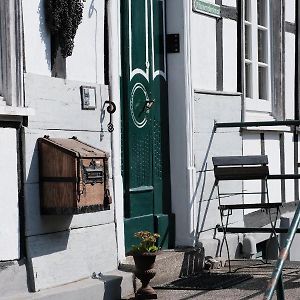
{"x": 241, "y": 167}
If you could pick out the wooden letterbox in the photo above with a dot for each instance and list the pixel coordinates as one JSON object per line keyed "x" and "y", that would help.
{"x": 73, "y": 177}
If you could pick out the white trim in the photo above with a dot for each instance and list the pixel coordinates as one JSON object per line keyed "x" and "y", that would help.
{"x": 181, "y": 114}
{"x": 114, "y": 74}
{"x": 138, "y": 70}
{"x": 8, "y": 110}
{"x": 156, "y": 73}
{"x": 256, "y": 104}
{"x": 12, "y": 52}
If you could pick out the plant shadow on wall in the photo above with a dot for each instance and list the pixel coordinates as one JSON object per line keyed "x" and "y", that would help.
{"x": 44, "y": 34}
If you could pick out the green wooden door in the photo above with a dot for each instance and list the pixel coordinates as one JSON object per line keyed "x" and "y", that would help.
{"x": 145, "y": 119}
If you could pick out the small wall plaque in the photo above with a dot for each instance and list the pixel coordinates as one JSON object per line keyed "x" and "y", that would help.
{"x": 88, "y": 97}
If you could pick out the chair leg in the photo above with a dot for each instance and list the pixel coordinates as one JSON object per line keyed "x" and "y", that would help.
{"x": 198, "y": 230}
{"x": 224, "y": 230}
{"x": 273, "y": 224}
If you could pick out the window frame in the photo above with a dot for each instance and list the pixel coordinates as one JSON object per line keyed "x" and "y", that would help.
{"x": 255, "y": 104}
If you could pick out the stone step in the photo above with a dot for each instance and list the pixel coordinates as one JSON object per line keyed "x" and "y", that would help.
{"x": 171, "y": 264}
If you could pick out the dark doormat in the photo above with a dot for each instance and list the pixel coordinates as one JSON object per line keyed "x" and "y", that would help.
{"x": 206, "y": 281}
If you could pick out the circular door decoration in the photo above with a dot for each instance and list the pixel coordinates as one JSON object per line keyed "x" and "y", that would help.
{"x": 138, "y": 100}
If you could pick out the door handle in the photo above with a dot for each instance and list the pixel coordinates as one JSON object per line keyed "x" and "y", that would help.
{"x": 147, "y": 106}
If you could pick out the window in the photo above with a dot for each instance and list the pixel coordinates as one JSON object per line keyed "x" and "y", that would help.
{"x": 257, "y": 55}
{"x": 10, "y": 54}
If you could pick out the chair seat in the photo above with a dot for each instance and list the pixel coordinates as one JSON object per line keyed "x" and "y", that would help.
{"x": 253, "y": 230}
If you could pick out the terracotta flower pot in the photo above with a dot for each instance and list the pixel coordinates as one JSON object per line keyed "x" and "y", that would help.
{"x": 144, "y": 264}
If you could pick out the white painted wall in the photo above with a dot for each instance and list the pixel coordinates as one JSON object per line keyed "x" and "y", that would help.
{"x": 87, "y": 60}
{"x": 251, "y": 146}
{"x": 229, "y": 3}
{"x": 290, "y": 11}
{"x": 272, "y": 147}
{"x": 203, "y": 51}
{"x": 57, "y": 103}
{"x": 37, "y": 45}
{"x": 86, "y": 63}
{"x": 289, "y": 75}
{"x": 78, "y": 250}
{"x": 289, "y": 166}
{"x": 9, "y": 210}
{"x": 210, "y": 108}
{"x": 229, "y": 56}
{"x": 64, "y": 257}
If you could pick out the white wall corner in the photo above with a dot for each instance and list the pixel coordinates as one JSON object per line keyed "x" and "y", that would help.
{"x": 181, "y": 121}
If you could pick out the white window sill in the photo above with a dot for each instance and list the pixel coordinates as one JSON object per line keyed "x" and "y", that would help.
{"x": 260, "y": 106}
{"x": 255, "y": 116}
{"x": 6, "y": 110}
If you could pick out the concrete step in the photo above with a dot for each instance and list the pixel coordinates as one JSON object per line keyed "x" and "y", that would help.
{"x": 171, "y": 264}
{"x": 111, "y": 286}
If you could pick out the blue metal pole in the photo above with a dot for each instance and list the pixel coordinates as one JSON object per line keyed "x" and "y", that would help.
{"x": 277, "y": 272}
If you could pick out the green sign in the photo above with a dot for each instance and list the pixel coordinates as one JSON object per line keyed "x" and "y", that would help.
{"x": 206, "y": 8}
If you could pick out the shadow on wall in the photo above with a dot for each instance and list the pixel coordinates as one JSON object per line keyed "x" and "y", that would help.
{"x": 44, "y": 33}
{"x": 45, "y": 234}
{"x": 43, "y": 245}
{"x": 36, "y": 223}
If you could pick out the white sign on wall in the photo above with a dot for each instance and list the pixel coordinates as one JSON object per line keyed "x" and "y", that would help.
{"x": 207, "y": 8}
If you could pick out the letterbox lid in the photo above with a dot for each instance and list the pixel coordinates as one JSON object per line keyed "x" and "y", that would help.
{"x": 75, "y": 147}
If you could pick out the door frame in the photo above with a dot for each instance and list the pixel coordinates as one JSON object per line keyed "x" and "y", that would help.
{"x": 180, "y": 133}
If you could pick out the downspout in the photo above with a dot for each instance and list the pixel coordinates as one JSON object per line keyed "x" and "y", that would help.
{"x": 113, "y": 9}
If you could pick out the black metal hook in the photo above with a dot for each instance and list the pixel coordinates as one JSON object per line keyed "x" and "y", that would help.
{"x": 111, "y": 108}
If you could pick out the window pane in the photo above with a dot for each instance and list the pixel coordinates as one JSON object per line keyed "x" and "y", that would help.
{"x": 248, "y": 30}
{"x": 262, "y": 12}
{"x": 248, "y": 10}
{"x": 248, "y": 75}
{"x": 263, "y": 82}
{"x": 262, "y": 46}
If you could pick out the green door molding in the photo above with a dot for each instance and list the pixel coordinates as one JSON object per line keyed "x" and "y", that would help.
{"x": 145, "y": 147}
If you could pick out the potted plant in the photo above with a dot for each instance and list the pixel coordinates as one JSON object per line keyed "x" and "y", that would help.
{"x": 144, "y": 255}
